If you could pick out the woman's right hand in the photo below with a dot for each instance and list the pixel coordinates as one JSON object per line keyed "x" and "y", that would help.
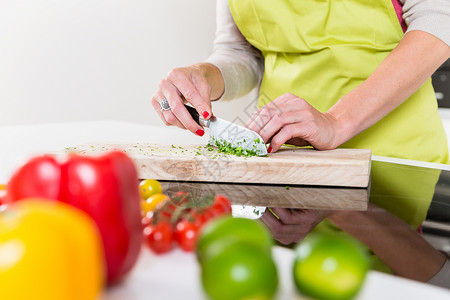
{"x": 197, "y": 85}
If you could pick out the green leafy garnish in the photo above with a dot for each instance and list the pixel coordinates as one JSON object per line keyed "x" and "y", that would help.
{"x": 227, "y": 148}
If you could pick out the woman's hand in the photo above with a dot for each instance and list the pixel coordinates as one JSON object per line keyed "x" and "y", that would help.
{"x": 197, "y": 85}
{"x": 291, "y": 120}
{"x": 294, "y": 224}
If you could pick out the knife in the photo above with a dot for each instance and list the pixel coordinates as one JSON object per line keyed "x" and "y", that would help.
{"x": 224, "y": 131}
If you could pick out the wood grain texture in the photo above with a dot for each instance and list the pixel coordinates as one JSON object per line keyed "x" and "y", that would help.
{"x": 288, "y": 166}
{"x": 298, "y": 197}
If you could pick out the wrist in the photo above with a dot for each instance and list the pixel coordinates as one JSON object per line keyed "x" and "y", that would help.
{"x": 343, "y": 129}
{"x": 337, "y": 217}
{"x": 346, "y": 120}
{"x": 214, "y": 77}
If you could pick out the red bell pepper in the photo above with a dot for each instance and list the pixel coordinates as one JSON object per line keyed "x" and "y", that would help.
{"x": 106, "y": 187}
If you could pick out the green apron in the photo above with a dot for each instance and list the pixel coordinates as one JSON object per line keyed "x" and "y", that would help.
{"x": 320, "y": 50}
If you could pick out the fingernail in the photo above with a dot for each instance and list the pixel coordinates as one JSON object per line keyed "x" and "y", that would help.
{"x": 200, "y": 132}
{"x": 205, "y": 114}
{"x": 270, "y": 149}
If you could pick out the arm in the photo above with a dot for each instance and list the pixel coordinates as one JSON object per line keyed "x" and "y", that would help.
{"x": 393, "y": 241}
{"x": 424, "y": 48}
{"x": 403, "y": 71}
{"x": 231, "y": 71}
{"x": 290, "y": 119}
{"x": 399, "y": 246}
{"x": 431, "y": 16}
{"x": 239, "y": 62}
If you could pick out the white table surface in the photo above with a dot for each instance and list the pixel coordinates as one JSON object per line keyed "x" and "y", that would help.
{"x": 174, "y": 275}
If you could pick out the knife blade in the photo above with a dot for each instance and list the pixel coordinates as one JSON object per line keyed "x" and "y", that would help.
{"x": 224, "y": 131}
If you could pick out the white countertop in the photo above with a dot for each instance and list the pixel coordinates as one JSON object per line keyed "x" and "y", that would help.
{"x": 174, "y": 275}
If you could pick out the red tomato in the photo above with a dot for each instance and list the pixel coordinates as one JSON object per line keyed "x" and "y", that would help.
{"x": 181, "y": 197}
{"x": 159, "y": 237}
{"x": 166, "y": 211}
{"x": 146, "y": 221}
{"x": 222, "y": 203}
{"x": 181, "y": 194}
{"x": 186, "y": 234}
{"x": 218, "y": 210}
{"x": 198, "y": 217}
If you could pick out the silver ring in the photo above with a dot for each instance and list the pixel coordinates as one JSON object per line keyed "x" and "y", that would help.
{"x": 164, "y": 104}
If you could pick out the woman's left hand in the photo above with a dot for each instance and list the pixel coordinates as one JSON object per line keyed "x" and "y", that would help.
{"x": 293, "y": 224}
{"x": 291, "y": 120}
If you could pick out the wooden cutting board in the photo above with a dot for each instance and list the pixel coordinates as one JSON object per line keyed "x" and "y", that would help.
{"x": 288, "y": 166}
{"x": 294, "y": 197}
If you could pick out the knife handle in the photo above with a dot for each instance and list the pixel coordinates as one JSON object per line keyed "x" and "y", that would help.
{"x": 194, "y": 114}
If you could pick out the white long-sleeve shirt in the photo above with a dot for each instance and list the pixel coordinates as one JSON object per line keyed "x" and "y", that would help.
{"x": 242, "y": 66}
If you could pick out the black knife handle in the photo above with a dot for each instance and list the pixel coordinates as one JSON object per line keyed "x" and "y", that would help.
{"x": 194, "y": 114}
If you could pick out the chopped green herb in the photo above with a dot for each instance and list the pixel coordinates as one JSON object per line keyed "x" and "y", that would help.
{"x": 227, "y": 148}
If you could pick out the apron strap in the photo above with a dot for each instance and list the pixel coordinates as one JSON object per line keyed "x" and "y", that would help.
{"x": 398, "y": 6}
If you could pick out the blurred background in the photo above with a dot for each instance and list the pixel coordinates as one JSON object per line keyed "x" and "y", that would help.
{"x": 64, "y": 61}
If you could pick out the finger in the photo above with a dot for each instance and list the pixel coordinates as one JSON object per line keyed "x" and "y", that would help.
{"x": 277, "y": 122}
{"x": 288, "y": 132}
{"x": 157, "y": 106}
{"x": 178, "y": 114}
{"x": 172, "y": 119}
{"x": 298, "y": 142}
{"x": 288, "y": 216}
{"x": 260, "y": 119}
{"x": 292, "y": 235}
{"x": 204, "y": 89}
{"x": 169, "y": 118}
{"x": 285, "y": 234}
{"x": 183, "y": 82}
{"x": 167, "y": 115}
{"x": 285, "y": 103}
{"x": 272, "y": 222}
{"x": 306, "y": 218}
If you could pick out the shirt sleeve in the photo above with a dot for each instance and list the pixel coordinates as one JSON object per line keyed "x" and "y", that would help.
{"x": 431, "y": 16}
{"x": 241, "y": 64}
{"x": 442, "y": 278}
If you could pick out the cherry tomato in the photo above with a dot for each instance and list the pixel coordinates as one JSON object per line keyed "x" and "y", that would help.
{"x": 210, "y": 213}
{"x": 159, "y": 237}
{"x": 181, "y": 194}
{"x": 182, "y": 214}
{"x": 149, "y": 187}
{"x": 222, "y": 203}
{"x": 166, "y": 211}
{"x": 181, "y": 197}
{"x": 152, "y": 202}
{"x": 218, "y": 210}
{"x": 145, "y": 221}
{"x": 186, "y": 234}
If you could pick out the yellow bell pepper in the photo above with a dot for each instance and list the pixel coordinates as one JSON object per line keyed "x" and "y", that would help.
{"x": 49, "y": 250}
